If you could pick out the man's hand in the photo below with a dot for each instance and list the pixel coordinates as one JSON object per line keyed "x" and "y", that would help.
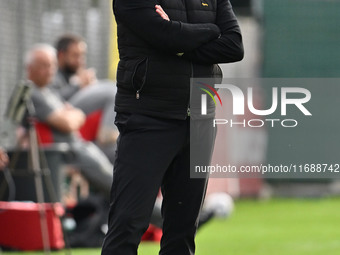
{"x": 68, "y": 106}
{"x": 3, "y": 159}
{"x": 84, "y": 77}
{"x": 165, "y": 16}
{"x": 161, "y": 12}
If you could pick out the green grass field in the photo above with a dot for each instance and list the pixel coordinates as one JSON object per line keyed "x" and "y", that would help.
{"x": 279, "y": 226}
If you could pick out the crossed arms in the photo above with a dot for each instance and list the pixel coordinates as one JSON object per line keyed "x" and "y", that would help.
{"x": 204, "y": 43}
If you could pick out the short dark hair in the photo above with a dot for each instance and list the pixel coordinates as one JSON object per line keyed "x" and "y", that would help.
{"x": 65, "y": 41}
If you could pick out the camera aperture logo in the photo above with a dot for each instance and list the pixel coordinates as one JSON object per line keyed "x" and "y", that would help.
{"x": 280, "y": 99}
{"x": 204, "y": 97}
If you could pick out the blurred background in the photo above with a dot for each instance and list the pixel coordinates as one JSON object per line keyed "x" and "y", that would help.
{"x": 282, "y": 39}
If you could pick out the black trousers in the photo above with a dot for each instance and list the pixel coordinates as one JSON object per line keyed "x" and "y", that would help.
{"x": 153, "y": 153}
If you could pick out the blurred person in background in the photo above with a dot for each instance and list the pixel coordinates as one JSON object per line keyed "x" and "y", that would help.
{"x": 72, "y": 75}
{"x": 79, "y": 86}
{"x": 3, "y": 159}
{"x": 64, "y": 119}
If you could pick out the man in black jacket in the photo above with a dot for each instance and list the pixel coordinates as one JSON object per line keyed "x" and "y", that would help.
{"x": 162, "y": 44}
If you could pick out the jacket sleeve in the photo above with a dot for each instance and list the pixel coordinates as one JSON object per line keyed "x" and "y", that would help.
{"x": 225, "y": 49}
{"x": 140, "y": 16}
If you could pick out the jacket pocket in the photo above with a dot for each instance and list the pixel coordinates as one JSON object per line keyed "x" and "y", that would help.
{"x": 139, "y": 76}
{"x": 131, "y": 74}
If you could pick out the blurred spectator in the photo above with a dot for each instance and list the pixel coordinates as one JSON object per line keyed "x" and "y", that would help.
{"x": 3, "y": 159}
{"x": 80, "y": 87}
{"x": 72, "y": 75}
{"x": 63, "y": 119}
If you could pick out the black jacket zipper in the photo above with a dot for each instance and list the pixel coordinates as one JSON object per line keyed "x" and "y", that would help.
{"x": 190, "y": 88}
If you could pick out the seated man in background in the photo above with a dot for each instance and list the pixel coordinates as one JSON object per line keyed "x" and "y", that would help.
{"x": 63, "y": 119}
{"x": 80, "y": 87}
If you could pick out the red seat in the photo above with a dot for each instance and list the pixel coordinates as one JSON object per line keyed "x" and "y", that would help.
{"x": 90, "y": 128}
{"x": 44, "y": 133}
